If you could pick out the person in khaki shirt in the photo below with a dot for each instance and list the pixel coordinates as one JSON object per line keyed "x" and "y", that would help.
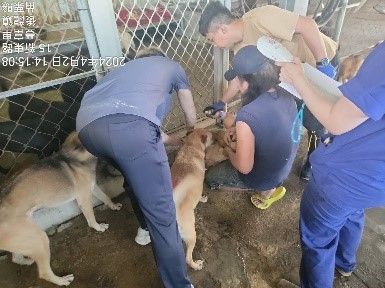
{"x": 299, "y": 34}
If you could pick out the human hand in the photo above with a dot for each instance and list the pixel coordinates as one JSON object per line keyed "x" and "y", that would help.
{"x": 213, "y": 110}
{"x": 291, "y": 71}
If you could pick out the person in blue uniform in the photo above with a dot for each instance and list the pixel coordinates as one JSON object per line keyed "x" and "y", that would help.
{"x": 348, "y": 169}
{"x": 119, "y": 120}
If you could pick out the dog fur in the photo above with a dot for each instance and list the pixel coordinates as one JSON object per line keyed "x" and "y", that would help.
{"x": 188, "y": 171}
{"x": 349, "y": 67}
{"x": 351, "y": 64}
{"x": 62, "y": 177}
{"x": 216, "y": 152}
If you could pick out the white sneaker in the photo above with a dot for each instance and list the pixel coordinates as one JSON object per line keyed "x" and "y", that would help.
{"x": 142, "y": 237}
{"x": 343, "y": 273}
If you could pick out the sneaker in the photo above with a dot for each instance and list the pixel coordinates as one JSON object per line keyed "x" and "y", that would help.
{"x": 305, "y": 171}
{"x": 143, "y": 237}
{"x": 343, "y": 273}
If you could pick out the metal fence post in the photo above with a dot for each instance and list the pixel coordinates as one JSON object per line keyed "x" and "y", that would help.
{"x": 297, "y": 6}
{"x": 340, "y": 20}
{"x": 89, "y": 34}
{"x": 105, "y": 29}
{"x": 221, "y": 64}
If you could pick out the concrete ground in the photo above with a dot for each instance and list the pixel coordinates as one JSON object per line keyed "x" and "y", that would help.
{"x": 242, "y": 246}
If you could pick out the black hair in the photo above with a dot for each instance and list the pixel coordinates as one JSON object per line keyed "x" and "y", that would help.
{"x": 261, "y": 81}
{"x": 214, "y": 15}
{"x": 150, "y": 51}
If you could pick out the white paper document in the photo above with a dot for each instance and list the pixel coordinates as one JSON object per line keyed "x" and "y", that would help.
{"x": 274, "y": 50}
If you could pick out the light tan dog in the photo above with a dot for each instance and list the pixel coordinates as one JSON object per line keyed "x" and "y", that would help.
{"x": 188, "y": 172}
{"x": 62, "y": 177}
{"x": 216, "y": 153}
{"x": 349, "y": 65}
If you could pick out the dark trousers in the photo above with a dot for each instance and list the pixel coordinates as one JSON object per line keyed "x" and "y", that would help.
{"x": 134, "y": 145}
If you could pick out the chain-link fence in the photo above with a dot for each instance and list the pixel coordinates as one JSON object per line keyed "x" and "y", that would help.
{"x": 173, "y": 26}
{"x": 42, "y": 77}
{"x": 45, "y": 66}
{"x": 44, "y": 73}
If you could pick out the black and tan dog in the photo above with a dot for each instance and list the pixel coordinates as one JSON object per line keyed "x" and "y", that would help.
{"x": 60, "y": 178}
{"x": 188, "y": 172}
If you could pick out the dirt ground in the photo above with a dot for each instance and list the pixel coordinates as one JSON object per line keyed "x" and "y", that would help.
{"x": 242, "y": 246}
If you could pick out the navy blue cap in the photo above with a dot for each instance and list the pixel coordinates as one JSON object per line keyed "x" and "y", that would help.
{"x": 248, "y": 60}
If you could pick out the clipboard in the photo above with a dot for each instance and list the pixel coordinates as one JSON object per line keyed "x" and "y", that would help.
{"x": 274, "y": 50}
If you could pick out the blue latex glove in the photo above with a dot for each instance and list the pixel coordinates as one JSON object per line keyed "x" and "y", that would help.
{"x": 328, "y": 70}
{"x": 211, "y": 110}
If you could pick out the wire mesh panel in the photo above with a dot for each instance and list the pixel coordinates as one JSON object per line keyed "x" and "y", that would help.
{"x": 42, "y": 48}
{"x": 240, "y": 7}
{"x": 172, "y": 26}
{"x": 44, "y": 73}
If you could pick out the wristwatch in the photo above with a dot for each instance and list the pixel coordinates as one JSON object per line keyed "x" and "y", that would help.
{"x": 325, "y": 61}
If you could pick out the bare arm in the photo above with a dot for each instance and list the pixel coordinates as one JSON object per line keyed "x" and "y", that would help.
{"x": 338, "y": 117}
{"x": 187, "y": 102}
{"x": 243, "y": 158}
{"x": 308, "y": 28}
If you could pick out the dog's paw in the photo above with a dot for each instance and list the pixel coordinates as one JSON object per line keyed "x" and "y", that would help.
{"x": 203, "y": 199}
{"x": 197, "y": 265}
{"x": 65, "y": 280}
{"x": 101, "y": 227}
{"x": 60, "y": 281}
{"x": 116, "y": 206}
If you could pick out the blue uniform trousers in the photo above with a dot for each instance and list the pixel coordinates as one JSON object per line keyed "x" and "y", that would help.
{"x": 330, "y": 234}
{"x": 134, "y": 145}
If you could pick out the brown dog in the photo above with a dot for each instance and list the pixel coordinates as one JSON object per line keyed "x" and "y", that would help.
{"x": 62, "y": 177}
{"x": 188, "y": 172}
{"x": 216, "y": 152}
{"x": 349, "y": 65}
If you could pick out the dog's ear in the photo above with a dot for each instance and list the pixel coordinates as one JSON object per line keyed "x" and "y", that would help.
{"x": 204, "y": 138}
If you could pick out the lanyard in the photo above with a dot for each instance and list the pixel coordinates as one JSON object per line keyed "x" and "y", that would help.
{"x": 296, "y": 128}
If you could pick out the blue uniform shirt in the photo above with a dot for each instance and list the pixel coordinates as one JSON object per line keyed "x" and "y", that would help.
{"x": 270, "y": 117}
{"x": 141, "y": 87}
{"x": 352, "y": 167}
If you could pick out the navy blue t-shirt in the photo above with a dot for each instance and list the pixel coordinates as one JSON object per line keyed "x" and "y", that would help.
{"x": 352, "y": 167}
{"x": 141, "y": 87}
{"x": 270, "y": 118}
